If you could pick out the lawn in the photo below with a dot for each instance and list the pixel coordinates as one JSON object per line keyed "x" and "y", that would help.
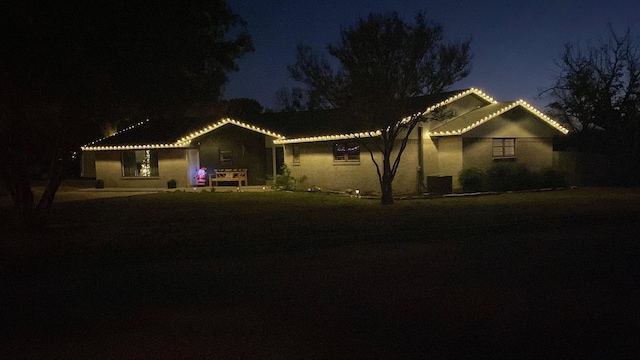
{"x": 295, "y": 275}
{"x": 218, "y": 224}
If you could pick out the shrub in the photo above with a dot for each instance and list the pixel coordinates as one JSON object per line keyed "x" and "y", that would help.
{"x": 522, "y": 178}
{"x": 551, "y": 178}
{"x": 499, "y": 176}
{"x": 511, "y": 176}
{"x": 171, "y": 184}
{"x": 471, "y": 179}
{"x": 99, "y": 184}
{"x": 505, "y": 176}
{"x": 285, "y": 181}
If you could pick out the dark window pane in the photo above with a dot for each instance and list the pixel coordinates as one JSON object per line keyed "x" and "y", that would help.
{"x": 140, "y": 163}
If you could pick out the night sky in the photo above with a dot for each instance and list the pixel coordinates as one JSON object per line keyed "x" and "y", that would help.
{"x": 514, "y": 43}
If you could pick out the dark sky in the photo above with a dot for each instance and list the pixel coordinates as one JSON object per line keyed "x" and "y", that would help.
{"x": 514, "y": 43}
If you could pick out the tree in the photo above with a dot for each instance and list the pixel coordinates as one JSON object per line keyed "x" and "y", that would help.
{"x": 597, "y": 94}
{"x": 382, "y": 60}
{"x": 66, "y": 67}
{"x": 240, "y": 109}
{"x": 291, "y": 100}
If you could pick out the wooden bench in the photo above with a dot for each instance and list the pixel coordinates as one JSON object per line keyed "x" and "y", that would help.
{"x": 228, "y": 175}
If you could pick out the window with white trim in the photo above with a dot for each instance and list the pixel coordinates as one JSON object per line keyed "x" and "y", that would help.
{"x": 504, "y": 148}
{"x": 226, "y": 158}
{"x": 296, "y": 154}
{"x": 139, "y": 163}
{"x": 346, "y": 152}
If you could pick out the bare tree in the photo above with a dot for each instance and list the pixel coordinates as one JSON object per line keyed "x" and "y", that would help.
{"x": 382, "y": 60}
{"x": 291, "y": 100}
{"x": 597, "y": 94}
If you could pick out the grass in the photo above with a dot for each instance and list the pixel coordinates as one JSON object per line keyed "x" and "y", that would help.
{"x": 220, "y": 224}
{"x": 254, "y": 275}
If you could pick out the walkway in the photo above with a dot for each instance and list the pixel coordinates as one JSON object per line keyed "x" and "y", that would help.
{"x": 70, "y": 193}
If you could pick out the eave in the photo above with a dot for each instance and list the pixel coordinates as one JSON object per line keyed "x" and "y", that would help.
{"x": 183, "y": 142}
{"x": 378, "y": 132}
{"x": 499, "y": 112}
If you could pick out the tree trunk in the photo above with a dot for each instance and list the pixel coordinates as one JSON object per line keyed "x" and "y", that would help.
{"x": 15, "y": 175}
{"x": 22, "y": 197}
{"x": 386, "y": 182}
{"x": 387, "y": 193}
{"x": 23, "y": 204}
{"x": 56, "y": 175}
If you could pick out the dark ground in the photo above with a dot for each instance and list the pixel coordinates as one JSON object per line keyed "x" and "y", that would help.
{"x": 551, "y": 292}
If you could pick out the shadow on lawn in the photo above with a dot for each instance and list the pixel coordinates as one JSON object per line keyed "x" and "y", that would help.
{"x": 319, "y": 289}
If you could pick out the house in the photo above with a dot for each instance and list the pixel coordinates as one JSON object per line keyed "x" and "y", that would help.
{"x": 476, "y": 131}
{"x": 152, "y": 152}
{"x": 473, "y": 130}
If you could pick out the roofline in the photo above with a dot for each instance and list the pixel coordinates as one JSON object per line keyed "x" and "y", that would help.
{"x": 87, "y": 146}
{"x": 223, "y": 122}
{"x": 133, "y": 147}
{"x": 362, "y": 135}
{"x": 543, "y": 117}
{"x": 183, "y": 142}
{"x": 503, "y": 110}
{"x": 378, "y": 132}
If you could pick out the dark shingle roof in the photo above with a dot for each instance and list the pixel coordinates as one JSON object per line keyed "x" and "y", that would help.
{"x": 155, "y": 131}
{"x": 466, "y": 120}
{"x": 335, "y": 121}
{"x": 289, "y": 124}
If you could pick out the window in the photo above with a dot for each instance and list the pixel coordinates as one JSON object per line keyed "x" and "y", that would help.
{"x": 504, "y": 148}
{"x": 345, "y": 152}
{"x": 226, "y": 158}
{"x": 296, "y": 154}
{"x": 140, "y": 163}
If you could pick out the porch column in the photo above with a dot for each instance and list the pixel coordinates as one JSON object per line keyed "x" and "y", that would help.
{"x": 273, "y": 162}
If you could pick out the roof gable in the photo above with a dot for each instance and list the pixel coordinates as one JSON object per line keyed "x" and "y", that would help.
{"x": 167, "y": 133}
{"x": 322, "y": 125}
{"x": 422, "y": 105}
{"x": 303, "y": 124}
{"x": 466, "y": 122}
